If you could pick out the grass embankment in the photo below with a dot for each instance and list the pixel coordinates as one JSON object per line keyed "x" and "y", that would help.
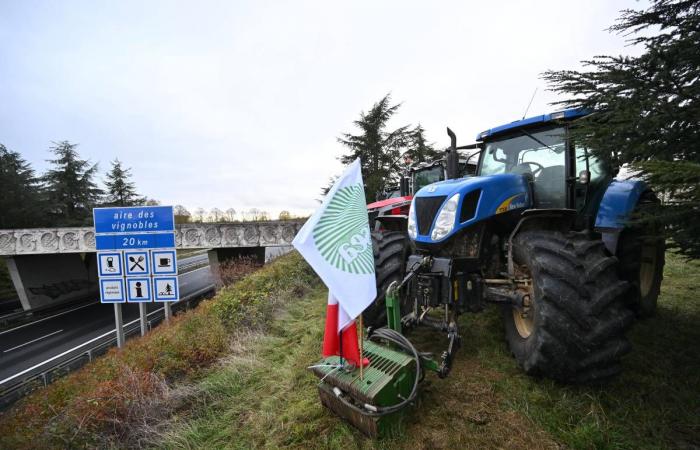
{"x": 259, "y": 394}
{"x": 262, "y": 396}
{"x": 116, "y": 400}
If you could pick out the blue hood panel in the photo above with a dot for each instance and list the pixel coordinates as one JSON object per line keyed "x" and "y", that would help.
{"x": 499, "y": 193}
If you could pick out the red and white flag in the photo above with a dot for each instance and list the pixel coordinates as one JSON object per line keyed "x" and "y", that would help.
{"x": 336, "y": 242}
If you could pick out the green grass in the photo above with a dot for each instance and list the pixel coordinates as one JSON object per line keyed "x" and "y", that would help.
{"x": 258, "y": 393}
{"x": 263, "y": 396}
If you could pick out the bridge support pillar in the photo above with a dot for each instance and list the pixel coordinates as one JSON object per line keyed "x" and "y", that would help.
{"x": 43, "y": 280}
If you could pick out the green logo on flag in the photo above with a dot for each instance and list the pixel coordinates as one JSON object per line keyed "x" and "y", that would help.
{"x": 342, "y": 233}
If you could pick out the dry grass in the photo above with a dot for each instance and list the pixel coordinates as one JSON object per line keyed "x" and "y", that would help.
{"x": 118, "y": 399}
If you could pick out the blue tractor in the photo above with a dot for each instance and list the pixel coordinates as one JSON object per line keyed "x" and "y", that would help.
{"x": 542, "y": 229}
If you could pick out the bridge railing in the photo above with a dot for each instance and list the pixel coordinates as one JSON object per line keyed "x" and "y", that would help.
{"x": 32, "y": 241}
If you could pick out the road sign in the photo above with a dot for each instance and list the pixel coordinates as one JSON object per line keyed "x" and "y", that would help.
{"x": 136, "y": 263}
{"x": 164, "y": 262}
{"x": 110, "y": 264}
{"x": 138, "y": 290}
{"x": 134, "y": 219}
{"x": 136, "y": 244}
{"x": 112, "y": 290}
{"x": 165, "y": 289}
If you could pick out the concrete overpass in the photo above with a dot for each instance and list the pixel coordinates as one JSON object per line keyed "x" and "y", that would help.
{"x": 55, "y": 265}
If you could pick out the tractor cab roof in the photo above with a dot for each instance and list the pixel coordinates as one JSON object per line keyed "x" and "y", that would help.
{"x": 542, "y": 119}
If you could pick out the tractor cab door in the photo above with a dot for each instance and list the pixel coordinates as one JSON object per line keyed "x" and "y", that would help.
{"x": 539, "y": 155}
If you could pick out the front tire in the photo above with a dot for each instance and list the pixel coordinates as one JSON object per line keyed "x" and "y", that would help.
{"x": 390, "y": 250}
{"x": 573, "y": 329}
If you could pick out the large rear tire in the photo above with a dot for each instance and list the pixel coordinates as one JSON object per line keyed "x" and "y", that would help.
{"x": 390, "y": 250}
{"x": 573, "y": 329}
{"x": 642, "y": 255}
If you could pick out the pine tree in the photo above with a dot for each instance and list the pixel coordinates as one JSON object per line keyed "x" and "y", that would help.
{"x": 72, "y": 193}
{"x": 419, "y": 149}
{"x": 121, "y": 191}
{"x": 646, "y": 110}
{"x": 22, "y": 203}
{"x": 378, "y": 148}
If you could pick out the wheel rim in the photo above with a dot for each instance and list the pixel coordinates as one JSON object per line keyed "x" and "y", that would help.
{"x": 524, "y": 324}
{"x": 647, "y": 271}
{"x": 524, "y": 318}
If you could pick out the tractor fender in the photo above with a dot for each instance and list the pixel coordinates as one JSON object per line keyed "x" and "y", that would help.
{"x": 619, "y": 200}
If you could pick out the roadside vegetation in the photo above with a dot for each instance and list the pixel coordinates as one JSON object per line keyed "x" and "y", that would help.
{"x": 232, "y": 374}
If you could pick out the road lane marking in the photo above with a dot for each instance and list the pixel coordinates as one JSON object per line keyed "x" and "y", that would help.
{"x": 32, "y": 341}
{"x": 111, "y": 332}
{"x": 46, "y": 318}
{"x": 183, "y": 261}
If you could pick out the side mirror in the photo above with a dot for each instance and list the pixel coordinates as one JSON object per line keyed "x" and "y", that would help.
{"x": 584, "y": 177}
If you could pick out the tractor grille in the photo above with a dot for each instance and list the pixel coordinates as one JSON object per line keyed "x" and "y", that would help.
{"x": 426, "y": 209}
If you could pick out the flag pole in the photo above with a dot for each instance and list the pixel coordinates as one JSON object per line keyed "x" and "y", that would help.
{"x": 362, "y": 353}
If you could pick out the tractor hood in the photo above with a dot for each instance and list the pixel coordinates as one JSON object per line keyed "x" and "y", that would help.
{"x": 479, "y": 198}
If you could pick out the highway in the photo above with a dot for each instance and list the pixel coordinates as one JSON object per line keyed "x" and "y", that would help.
{"x": 25, "y": 348}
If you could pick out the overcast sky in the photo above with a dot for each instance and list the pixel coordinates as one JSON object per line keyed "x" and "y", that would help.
{"x": 238, "y": 104}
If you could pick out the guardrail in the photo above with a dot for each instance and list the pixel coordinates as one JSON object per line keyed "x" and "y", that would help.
{"x": 17, "y": 386}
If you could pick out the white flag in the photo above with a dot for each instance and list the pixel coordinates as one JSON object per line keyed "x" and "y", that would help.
{"x": 336, "y": 242}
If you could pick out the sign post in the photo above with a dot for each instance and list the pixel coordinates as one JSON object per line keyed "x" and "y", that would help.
{"x": 136, "y": 258}
{"x": 120, "y": 324}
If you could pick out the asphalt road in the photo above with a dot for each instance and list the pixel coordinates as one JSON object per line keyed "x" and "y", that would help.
{"x": 28, "y": 345}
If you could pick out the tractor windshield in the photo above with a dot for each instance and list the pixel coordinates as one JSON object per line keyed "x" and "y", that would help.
{"x": 426, "y": 176}
{"x": 540, "y": 155}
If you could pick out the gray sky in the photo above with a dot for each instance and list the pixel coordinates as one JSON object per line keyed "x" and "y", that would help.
{"x": 238, "y": 104}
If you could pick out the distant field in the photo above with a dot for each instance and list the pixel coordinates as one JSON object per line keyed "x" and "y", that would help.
{"x": 251, "y": 389}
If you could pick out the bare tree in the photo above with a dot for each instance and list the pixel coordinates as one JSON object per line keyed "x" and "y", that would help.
{"x": 285, "y": 215}
{"x": 200, "y": 213}
{"x": 216, "y": 214}
{"x": 231, "y": 214}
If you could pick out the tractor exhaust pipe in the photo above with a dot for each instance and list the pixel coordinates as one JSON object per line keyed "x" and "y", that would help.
{"x": 452, "y": 157}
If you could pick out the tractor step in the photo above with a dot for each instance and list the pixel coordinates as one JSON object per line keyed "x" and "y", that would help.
{"x": 387, "y": 380}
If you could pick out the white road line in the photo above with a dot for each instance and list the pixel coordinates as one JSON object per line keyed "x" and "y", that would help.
{"x": 46, "y": 318}
{"x": 32, "y": 341}
{"x": 69, "y": 311}
{"x": 112, "y": 332}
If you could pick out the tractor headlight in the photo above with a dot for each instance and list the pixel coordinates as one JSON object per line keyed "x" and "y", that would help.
{"x": 412, "y": 229}
{"x": 446, "y": 219}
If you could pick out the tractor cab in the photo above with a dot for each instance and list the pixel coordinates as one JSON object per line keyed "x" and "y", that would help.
{"x": 561, "y": 173}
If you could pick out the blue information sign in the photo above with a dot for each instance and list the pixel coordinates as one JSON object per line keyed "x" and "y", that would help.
{"x": 136, "y": 244}
{"x": 134, "y": 219}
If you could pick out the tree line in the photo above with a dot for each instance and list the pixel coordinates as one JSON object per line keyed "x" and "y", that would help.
{"x": 216, "y": 215}
{"x": 66, "y": 194}
{"x": 645, "y": 115}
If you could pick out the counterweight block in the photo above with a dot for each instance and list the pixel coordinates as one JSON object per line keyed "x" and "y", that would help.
{"x": 386, "y": 381}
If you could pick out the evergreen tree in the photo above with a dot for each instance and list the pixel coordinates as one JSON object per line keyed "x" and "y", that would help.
{"x": 419, "y": 149}
{"x": 72, "y": 193}
{"x": 21, "y": 203}
{"x": 378, "y": 148}
{"x": 121, "y": 191}
{"x": 647, "y": 109}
